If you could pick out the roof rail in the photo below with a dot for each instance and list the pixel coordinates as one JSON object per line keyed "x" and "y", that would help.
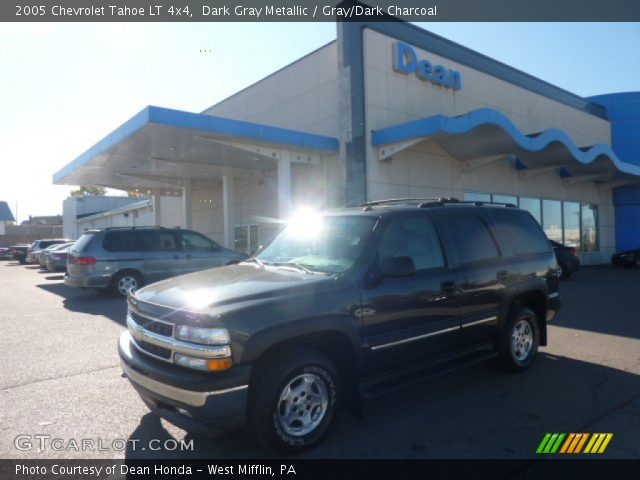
{"x": 480, "y": 203}
{"x": 406, "y": 201}
{"x": 429, "y": 202}
{"x": 141, "y": 227}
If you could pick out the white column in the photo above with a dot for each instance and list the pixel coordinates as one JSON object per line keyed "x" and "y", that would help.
{"x": 187, "y": 206}
{"x": 228, "y": 204}
{"x": 157, "y": 216}
{"x": 284, "y": 185}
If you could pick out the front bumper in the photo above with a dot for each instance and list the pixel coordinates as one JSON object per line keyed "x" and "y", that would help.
{"x": 198, "y": 402}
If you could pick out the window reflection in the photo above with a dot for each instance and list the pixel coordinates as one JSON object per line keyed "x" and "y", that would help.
{"x": 571, "y": 225}
{"x": 552, "y": 219}
{"x": 589, "y": 233}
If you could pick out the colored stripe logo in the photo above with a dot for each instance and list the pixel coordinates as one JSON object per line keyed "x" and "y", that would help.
{"x": 573, "y": 443}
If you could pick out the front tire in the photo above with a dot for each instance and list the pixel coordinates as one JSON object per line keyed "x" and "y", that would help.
{"x": 518, "y": 343}
{"x": 294, "y": 400}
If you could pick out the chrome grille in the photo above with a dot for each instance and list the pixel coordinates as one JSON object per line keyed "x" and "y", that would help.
{"x": 155, "y": 350}
{"x": 154, "y": 326}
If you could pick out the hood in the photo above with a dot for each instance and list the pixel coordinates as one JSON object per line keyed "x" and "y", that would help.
{"x": 221, "y": 289}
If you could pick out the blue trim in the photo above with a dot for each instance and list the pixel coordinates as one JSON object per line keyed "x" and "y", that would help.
{"x": 439, "y": 124}
{"x": 198, "y": 121}
{"x": 431, "y": 42}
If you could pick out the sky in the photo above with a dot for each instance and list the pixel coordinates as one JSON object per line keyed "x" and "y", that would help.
{"x": 64, "y": 86}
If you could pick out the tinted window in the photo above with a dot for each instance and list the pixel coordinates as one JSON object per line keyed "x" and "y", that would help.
{"x": 158, "y": 240}
{"x": 520, "y": 230}
{"x": 471, "y": 238}
{"x": 83, "y": 242}
{"x": 123, "y": 241}
{"x": 195, "y": 242}
{"x": 413, "y": 237}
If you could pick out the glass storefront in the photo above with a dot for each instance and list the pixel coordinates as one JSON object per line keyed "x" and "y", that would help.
{"x": 552, "y": 219}
{"x": 532, "y": 205}
{"x": 589, "y": 227}
{"x": 571, "y": 223}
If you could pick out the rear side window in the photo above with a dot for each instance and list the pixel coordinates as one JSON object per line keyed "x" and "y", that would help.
{"x": 472, "y": 239}
{"x": 83, "y": 242}
{"x": 123, "y": 241}
{"x": 158, "y": 241}
{"x": 413, "y": 237}
{"x": 521, "y": 231}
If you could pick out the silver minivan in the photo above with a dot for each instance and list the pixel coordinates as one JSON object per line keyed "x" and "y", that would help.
{"x": 124, "y": 259}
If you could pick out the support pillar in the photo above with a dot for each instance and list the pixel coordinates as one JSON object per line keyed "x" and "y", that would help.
{"x": 187, "y": 204}
{"x": 157, "y": 214}
{"x": 228, "y": 204}
{"x": 284, "y": 185}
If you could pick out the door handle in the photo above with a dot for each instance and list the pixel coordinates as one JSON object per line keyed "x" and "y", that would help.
{"x": 176, "y": 257}
{"x": 448, "y": 286}
{"x": 503, "y": 276}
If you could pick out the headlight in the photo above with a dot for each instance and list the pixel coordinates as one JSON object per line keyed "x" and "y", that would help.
{"x": 202, "y": 336}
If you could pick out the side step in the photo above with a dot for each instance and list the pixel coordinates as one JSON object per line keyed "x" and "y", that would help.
{"x": 389, "y": 382}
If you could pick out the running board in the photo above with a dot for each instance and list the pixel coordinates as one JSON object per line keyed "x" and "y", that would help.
{"x": 396, "y": 380}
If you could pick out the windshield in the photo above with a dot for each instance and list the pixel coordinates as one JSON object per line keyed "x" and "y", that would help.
{"x": 328, "y": 244}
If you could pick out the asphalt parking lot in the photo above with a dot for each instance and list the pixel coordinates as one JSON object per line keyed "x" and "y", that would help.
{"x": 60, "y": 377}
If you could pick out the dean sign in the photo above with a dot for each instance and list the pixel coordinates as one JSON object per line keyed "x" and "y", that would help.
{"x": 405, "y": 60}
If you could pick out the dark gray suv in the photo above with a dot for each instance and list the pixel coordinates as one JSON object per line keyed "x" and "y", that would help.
{"x": 124, "y": 259}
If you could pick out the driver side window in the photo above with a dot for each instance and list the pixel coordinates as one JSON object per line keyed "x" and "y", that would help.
{"x": 413, "y": 237}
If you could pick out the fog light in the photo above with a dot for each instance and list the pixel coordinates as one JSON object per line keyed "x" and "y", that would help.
{"x": 197, "y": 363}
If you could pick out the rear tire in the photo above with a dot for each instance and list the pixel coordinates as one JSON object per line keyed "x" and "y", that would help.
{"x": 294, "y": 399}
{"x": 125, "y": 282}
{"x": 518, "y": 343}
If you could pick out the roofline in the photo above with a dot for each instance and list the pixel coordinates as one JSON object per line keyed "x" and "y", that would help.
{"x": 239, "y": 92}
{"x": 115, "y": 211}
{"x": 199, "y": 121}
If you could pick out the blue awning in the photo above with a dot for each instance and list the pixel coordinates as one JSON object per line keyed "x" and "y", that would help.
{"x": 486, "y": 132}
{"x": 160, "y": 142}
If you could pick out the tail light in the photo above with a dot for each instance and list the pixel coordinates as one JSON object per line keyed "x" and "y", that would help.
{"x": 574, "y": 251}
{"x": 82, "y": 260}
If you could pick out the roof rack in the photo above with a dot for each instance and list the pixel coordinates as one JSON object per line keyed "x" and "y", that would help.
{"x": 406, "y": 201}
{"x": 141, "y": 227}
{"x": 428, "y": 202}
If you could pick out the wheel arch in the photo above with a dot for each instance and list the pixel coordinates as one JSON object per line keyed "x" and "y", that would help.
{"x": 536, "y": 300}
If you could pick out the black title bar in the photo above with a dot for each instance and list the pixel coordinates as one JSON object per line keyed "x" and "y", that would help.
{"x": 317, "y": 10}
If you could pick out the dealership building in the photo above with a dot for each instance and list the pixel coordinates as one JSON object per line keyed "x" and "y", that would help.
{"x": 387, "y": 110}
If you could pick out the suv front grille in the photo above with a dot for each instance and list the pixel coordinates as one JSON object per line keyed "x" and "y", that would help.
{"x": 152, "y": 325}
{"x": 154, "y": 349}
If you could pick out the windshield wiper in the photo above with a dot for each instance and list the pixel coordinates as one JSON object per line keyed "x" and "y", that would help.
{"x": 292, "y": 264}
{"x": 254, "y": 260}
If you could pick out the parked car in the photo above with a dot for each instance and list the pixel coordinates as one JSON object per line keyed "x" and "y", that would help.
{"x": 352, "y": 302}
{"x": 626, "y": 258}
{"x": 44, "y": 254}
{"x": 5, "y": 253}
{"x": 567, "y": 257}
{"x": 55, "y": 258}
{"x": 38, "y": 245}
{"x": 19, "y": 252}
{"x": 124, "y": 259}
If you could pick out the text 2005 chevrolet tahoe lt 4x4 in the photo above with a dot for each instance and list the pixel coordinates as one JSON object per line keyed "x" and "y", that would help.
{"x": 341, "y": 305}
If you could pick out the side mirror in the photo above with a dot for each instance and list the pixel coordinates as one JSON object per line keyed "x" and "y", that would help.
{"x": 397, "y": 267}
